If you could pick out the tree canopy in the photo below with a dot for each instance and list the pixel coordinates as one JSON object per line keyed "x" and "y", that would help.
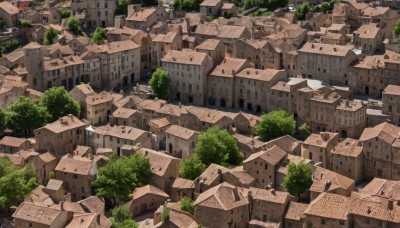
{"x": 74, "y": 25}
{"x": 2, "y": 119}
{"x": 186, "y": 204}
{"x": 122, "y": 218}
{"x": 191, "y": 167}
{"x": 49, "y": 35}
{"x": 270, "y": 4}
{"x": 396, "y": 30}
{"x": 121, "y": 176}
{"x": 122, "y": 5}
{"x": 25, "y": 115}
{"x": 298, "y": 179}
{"x": 213, "y": 146}
{"x": 275, "y": 124}
{"x": 15, "y": 183}
{"x": 305, "y": 130}
{"x": 187, "y": 5}
{"x": 302, "y": 10}
{"x": 59, "y": 103}
{"x": 99, "y": 35}
{"x": 165, "y": 214}
{"x": 159, "y": 82}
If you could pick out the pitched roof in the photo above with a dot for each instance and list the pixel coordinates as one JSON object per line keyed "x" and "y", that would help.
{"x": 286, "y": 143}
{"x": 148, "y": 189}
{"x": 85, "y": 89}
{"x": 269, "y": 195}
{"x": 272, "y": 156}
{"x": 392, "y": 90}
{"x": 159, "y": 123}
{"x": 37, "y": 213}
{"x": 229, "y": 67}
{"x": 89, "y": 220}
{"x": 182, "y": 183}
{"x": 9, "y": 8}
{"x": 76, "y": 165}
{"x": 223, "y": 196}
{"x": 99, "y": 98}
{"x": 231, "y": 32}
{"x": 114, "y": 47}
{"x": 326, "y": 49}
{"x": 12, "y": 141}
{"x": 320, "y": 140}
{"x": 382, "y": 188}
{"x": 141, "y": 15}
{"x": 93, "y": 204}
{"x": 180, "y": 132}
{"x": 159, "y": 161}
{"x": 369, "y": 31}
{"x": 64, "y": 124}
{"x": 348, "y": 147}
{"x": 257, "y": 74}
{"x": 325, "y": 181}
{"x": 186, "y": 56}
{"x": 210, "y": 2}
{"x": 124, "y": 132}
{"x": 295, "y": 211}
{"x": 124, "y": 113}
{"x": 165, "y": 38}
{"x": 330, "y": 206}
{"x": 209, "y": 44}
{"x": 385, "y": 131}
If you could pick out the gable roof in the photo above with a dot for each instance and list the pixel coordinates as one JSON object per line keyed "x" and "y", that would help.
{"x": 180, "y": 132}
{"x": 148, "y": 189}
{"x": 159, "y": 162}
{"x": 330, "y": 206}
{"x": 272, "y": 156}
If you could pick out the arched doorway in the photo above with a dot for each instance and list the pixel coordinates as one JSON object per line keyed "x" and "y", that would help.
{"x": 241, "y": 103}
{"x": 366, "y": 90}
{"x": 249, "y": 107}
{"x": 223, "y": 103}
{"x": 70, "y": 83}
{"x": 258, "y": 108}
{"x": 190, "y": 99}
{"x": 125, "y": 81}
{"x": 344, "y": 134}
{"x": 178, "y": 96}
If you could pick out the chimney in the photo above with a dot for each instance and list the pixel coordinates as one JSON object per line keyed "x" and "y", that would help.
{"x": 70, "y": 116}
{"x": 390, "y": 204}
{"x": 98, "y": 217}
{"x": 272, "y": 191}
{"x": 335, "y": 49}
{"x": 61, "y": 205}
{"x": 250, "y": 199}
{"x": 328, "y": 185}
{"x": 221, "y": 179}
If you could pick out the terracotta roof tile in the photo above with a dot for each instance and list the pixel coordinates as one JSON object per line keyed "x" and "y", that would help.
{"x": 12, "y": 141}
{"x": 295, "y": 211}
{"x": 180, "y": 132}
{"x": 64, "y": 124}
{"x": 330, "y": 206}
{"x": 147, "y": 189}
{"x": 273, "y": 155}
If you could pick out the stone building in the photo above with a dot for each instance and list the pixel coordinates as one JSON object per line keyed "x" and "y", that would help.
{"x": 326, "y": 62}
{"x": 323, "y": 110}
{"x": 260, "y": 52}
{"x": 188, "y": 75}
{"x": 50, "y": 217}
{"x": 227, "y": 205}
{"x": 61, "y": 136}
{"x": 380, "y": 147}
{"x": 350, "y": 118}
{"x": 282, "y": 95}
{"x": 180, "y": 141}
{"x": 263, "y": 166}
{"x": 180, "y": 188}
{"x": 230, "y": 34}
{"x": 158, "y": 127}
{"x": 328, "y": 210}
{"x": 11, "y": 145}
{"x": 119, "y": 135}
{"x": 368, "y": 38}
{"x": 162, "y": 44}
{"x": 347, "y": 159}
{"x": 214, "y": 48}
{"x": 211, "y": 7}
{"x": 98, "y": 107}
{"x": 144, "y": 18}
{"x": 94, "y": 14}
{"x": 9, "y": 13}
{"x": 127, "y": 117}
{"x": 77, "y": 173}
{"x": 221, "y": 82}
{"x": 252, "y": 88}
{"x": 317, "y": 147}
{"x": 391, "y": 103}
{"x": 145, "y": 199}
{"x": 294, "y": 216}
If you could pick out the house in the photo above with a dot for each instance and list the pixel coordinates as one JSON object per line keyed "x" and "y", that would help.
{"x": 179, "y": 188}
{"x": 98, "y": 107}
{"x": 77, "y": 173}
{"x": 61, "y": 136}
{"x": 327, "y": 181}
{"x": 214, "y": 48}
{"x": 229, "y": 34}
{"x": 126, "y": 117}
{"x": 9, "y": 13}
{"x": 11, "y": 145}
{"x": 158, "y": 127}
{"x": 263, "y": 166}
{"x": 80, "y": 93}
{"x": 144, "y": 18}
{"x": 162, "y": 44}
{"x": 226, "y": 203}
{"x": 390, "y": 105}
{"x": 163, "y": 166}
{"x": 33, "y": 215}
{"x": 347, "y": 159}
{"x": 328, "y": 210}
{"x": 369, "y": 38}
{"x": 94, "y": 15}
{"x": 210, "y": 7}
{"x": 317, "y": 147}
{"x": 146, "y": 198}
{"x": 180, "y": 141}
{"x": 194, "y": 66}
{"x": 294, "y": 216}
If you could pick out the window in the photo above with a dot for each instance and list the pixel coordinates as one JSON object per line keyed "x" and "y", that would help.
{"x": 341, "y": 223}
{"x": 323, "y": 221}
{"x": 75, "y": 176}
{"x": 82, "y": 190}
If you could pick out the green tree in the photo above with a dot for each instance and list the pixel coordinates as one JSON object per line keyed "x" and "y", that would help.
{"x": 396, "y": 30}
{"x": 99, "y": 35}
{"x": 65, "y": 13}
{"x": 117, "y": 179}
{"x": 122, "y": 5}
{"x": 122, "y": 218}
{"x": 191, "y": 168}
{"x": 3, "y": 24}
{"x": 15, "y": 183}
{"x": 159, "y": 82}
{"x": 25, "y": 115}
{"x": 187, "y": 5}
{"x": 275, "y": 124}
{"x": 25, "y": 23}
{"x": 165, "y": 214}
{"x": 227, "y": 15}
{"x": 9, "y": 46}
{"x": 49, "y": 35}
{"x": 59, "y": 103}
{"x": 298, "y": 179}
{"x": 2, "y": 119}
{"x": 302, "y": 10}
{"x": 305, "y": 130}
{"x": 74, "y": 25}
{"x": 219, "y": 147}
{"x": 186, "y": 204}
